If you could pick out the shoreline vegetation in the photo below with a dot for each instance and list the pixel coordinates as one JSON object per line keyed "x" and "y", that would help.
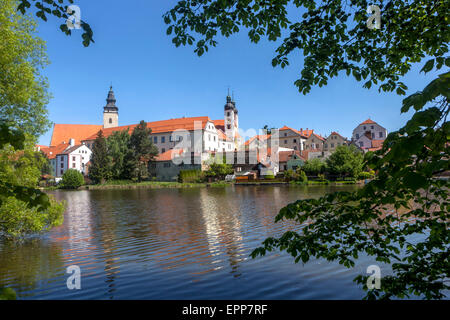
{"x": 123, "y": 184}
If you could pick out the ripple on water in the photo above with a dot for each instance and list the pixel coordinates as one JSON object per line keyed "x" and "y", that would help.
{"x": 171, "y": 244}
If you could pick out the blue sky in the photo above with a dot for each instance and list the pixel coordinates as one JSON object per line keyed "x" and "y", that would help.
{"x": 154, "y": 80}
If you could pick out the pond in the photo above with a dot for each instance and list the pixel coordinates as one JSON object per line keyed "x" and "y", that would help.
{"x": 191, "y": 243}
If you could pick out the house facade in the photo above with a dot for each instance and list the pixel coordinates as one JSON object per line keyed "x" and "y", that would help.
{"x": 288, "y": 138}
{"x": 333, "y": 141}
{"x": 74, "y": 157}
{"x": 369, "y": 135}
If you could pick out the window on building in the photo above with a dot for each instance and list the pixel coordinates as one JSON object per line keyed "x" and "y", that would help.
{"x": 364, "y": 127}
{"x": 295, "y": 140}
{"x": 170, "y": 138}
{"x": 332, "y": 145}
{"x": 73, "y": 165}
{"x": 110, "y": 120}
{"x": 373, "y": 135}
{"x": 163, "y": 150}
{"x": 357, "y": 136}
{"x": 361, "y": 144}
{"x": 73, "y": 158}
{"x": 285, "y": 141}
{"x": 285, "y": 134}
{"x": 381, "y": 134}
{"x": 326, "y": 145}
{"x": 155, "y": 139}
{"x": 228, "y": 126}
{"x": 214, "y": 138}
{"x": 62, "y": 171}
{"x": 163, "y": 139}
{"x": 62, "y": 165}
{"x": 228, "y": 113}
{"x": 371, "y": 127}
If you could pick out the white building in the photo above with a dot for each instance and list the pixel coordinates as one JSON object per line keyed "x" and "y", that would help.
{"x": 74, "y": 157}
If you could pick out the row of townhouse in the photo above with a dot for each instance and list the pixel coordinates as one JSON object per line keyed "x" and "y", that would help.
{"x": 307, "y": 144}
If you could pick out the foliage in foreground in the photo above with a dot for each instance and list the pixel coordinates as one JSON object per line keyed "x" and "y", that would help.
{"x": 333, "y": 37}
{"x": 400, "y": 218}
{"x": 23, "y": 208}
{"x": 23, "y": 89}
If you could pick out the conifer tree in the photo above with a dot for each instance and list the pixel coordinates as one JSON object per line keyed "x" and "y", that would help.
{"x": 142, "y": 151}
{"x": 99, "y": 170}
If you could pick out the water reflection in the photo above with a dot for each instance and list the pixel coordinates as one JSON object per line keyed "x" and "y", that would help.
{"x": 170, "y": 244}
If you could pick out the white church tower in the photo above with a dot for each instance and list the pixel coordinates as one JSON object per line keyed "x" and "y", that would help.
{"x": 110, "y": 111}
{"x": 231, "y": 118}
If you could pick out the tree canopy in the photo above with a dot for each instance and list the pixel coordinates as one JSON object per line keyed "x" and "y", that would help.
{"x": 332, "y": 35}
{"x": 23, "y": 89}
{"x": 345, "y": 160}
{"x": 57, "y": 8}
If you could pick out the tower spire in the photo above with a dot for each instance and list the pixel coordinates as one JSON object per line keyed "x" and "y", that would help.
{"x": 110, "y": 111}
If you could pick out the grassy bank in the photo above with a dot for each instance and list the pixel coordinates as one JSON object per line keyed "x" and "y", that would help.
{"x": 123, "y": 184}
{"x": 126, "y": 184}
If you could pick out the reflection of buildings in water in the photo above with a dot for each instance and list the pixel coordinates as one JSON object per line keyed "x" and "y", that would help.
{"x": 78, "y": 236}
{"x": 105, "y": 214}
{"x": 223, "y": 228}
{"x": 80, "y": 247}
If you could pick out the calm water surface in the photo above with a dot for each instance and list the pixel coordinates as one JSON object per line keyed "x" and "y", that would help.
{"x": 173, "y": 244}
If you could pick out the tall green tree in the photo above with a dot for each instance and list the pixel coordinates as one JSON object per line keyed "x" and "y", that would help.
{"x": 345, "y": 161}
{"x": 314, "y": 166}
{"x": 118, "y": 148}
{"x": 401, "y": 217}
{"x": 141, "y": 151}
{"x": 100, "y": 167}
{"x": 23, "y": 89}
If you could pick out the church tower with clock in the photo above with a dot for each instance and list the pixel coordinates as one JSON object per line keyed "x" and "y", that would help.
{"x": 110, "y": 111}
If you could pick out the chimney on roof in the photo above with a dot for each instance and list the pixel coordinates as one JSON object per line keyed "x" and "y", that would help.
{"x": 71, "y": 142}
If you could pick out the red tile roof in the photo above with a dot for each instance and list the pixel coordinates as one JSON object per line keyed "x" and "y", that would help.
{"x": 169, "y": 155}
{"x": 284, "y": 156}
{"x": 261, "y": 137}
{"x": 71, "y": 149}
{"x": 335, "y": 133}
{"x": 318, "y": 136}
{"x": 219, "y": 124}
{"x": 368, "y": 121}
{"x": 161, "y": 126}
{"x": 52, "y": 151}
{"x": 306, "y": 133}
{"x": 377, "y": 143}
{"x": 64, "y": 132}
